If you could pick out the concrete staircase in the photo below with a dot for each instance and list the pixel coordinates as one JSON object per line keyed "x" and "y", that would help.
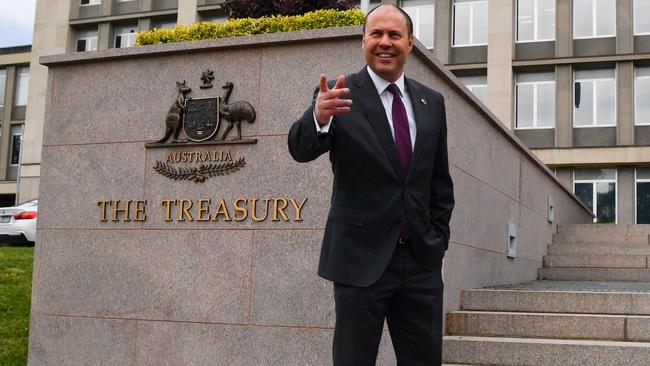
{"x": 591, "y": 306}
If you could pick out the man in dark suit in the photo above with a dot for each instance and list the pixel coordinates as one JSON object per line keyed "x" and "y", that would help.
{"x": 392, "y": 197}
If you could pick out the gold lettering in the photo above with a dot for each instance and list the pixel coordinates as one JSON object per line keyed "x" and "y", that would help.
{"x": 102, "y": 209}
{"x": 222, "y": 210}
{"x": 298, "y": 208}
{"x": 140, "y": 207}
{"x": 184, "y": 212}
{"x": 227, "y": 156}
{"x": 254, "y": 210}
{"x": 168, "y": 208}
{"x": 204, "y": 210}
{"x": 206, "y": 156}
{"x": 279, "y": 209}
{"x": 170, "y": 158}
{"x": 125, "y": 210}
{"x": 241, "y": 209}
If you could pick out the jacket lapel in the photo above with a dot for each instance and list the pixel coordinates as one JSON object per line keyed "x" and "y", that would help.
{"x": 376, "y": 116}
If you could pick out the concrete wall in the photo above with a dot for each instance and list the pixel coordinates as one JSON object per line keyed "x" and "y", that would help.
{"x": 239, "y": 293}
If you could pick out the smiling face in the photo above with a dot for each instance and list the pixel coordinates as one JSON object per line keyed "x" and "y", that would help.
{"x": 386, "y": 42}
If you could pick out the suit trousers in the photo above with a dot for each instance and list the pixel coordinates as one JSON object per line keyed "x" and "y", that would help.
{"x": 408, "y": 297}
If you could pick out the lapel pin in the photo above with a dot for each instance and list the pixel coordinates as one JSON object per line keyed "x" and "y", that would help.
{"x": 423, "y": 101}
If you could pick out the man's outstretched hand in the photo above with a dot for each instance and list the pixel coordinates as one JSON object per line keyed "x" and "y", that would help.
{"x": 328, "y": 102}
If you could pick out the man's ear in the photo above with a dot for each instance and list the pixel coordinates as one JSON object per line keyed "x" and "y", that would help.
{"x": 411, "y": 42}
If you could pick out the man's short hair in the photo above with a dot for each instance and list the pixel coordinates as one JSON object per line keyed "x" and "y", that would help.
{"x": 409, "y": 22}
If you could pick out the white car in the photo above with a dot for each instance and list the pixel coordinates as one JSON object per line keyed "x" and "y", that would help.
{"x": 18, "y": 223}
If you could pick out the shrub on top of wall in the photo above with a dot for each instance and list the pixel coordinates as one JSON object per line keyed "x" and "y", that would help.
{"x": 264, "y": 8}
{"x": 250, "y": 26}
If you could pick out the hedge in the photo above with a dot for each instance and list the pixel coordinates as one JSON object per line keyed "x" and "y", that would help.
{"x": 249, "y": 26}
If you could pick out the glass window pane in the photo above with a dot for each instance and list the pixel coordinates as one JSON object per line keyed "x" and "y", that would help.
{"x": 605, "y": 17}
{"x": 582, "y": 18}
{"x": 642, "y": 173}
{"x": 583, "y": 106}
{"x": 525, "y": 108}
{"x": 643, "y": 203}
{"x": 16, "y": 139}
{"x": 585, "y": 192}
{"x": 606, "y": 202}
{"x": 606, "y": 102}
{"x": 641, "y": 18}
{"x": 642, "y": 101}
{"x": 545, "y": 19}
{"x": 546, "y": 105}
{"x": 461, "y": 23}
{"x": 425, "y": 26}
{"x": 481, "y": 92}
{"x": 525, "y": 20}
{"x": 22, "y": 83}
{"x": 480, "y": 30}
{"x": 595, "y": 174}
{"x": 3, "y": 83}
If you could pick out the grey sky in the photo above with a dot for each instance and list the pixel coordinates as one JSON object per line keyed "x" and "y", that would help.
{"x": 16, "y": 22}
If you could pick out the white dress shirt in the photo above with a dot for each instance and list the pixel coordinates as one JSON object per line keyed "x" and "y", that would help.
{"x": 387, "y": 101}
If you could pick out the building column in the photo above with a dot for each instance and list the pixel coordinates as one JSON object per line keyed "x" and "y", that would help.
{"x": 625, "y": 103}
{"x": 50, "y": 38}
{"x": 565, "y": 176}
{"x": 624, "y": 26}
{"x": 146, "y": 5}
{"x": 187, "y": 13}
{"x": 625, "y": 195}
{"x": 104, "y": 39}
{"x": 107, "y": 7}
{"x": 442, "y": 32}
{"x": 5, "y": 138}
{"x": 563, "y": 28}
{"x": 563, "y": 106}
{"x": 500, "y": 53}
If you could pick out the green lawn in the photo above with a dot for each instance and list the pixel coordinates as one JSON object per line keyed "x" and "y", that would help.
{"x": 15, "y": 293}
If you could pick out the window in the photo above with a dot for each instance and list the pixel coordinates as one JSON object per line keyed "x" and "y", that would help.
{"x": 16, "y": 140}
{"x": 162, "y": 24}
{"x": 642, "y": 96}
{"x": 90, "y": 2}
{"x": 22, "y": 84}
{"x": 422, "y": 13}
{"x": 535, "y": 104}
{"x": 594, "y": 98}
{"x": 477, "y": 85}
{"x": 594, "y": 18}
{"x": 371, "y": 4}
{"x": 596, "y": 188}
{"x": 641, "y": 19}
{"x": 535, "y": 20}
{"x": 87, "y": 40}
{"x": 642, "y": 195}
{"x": 125, "y": 36}
{"x": 3, "y": 83}
{"x": 470, "y": 22}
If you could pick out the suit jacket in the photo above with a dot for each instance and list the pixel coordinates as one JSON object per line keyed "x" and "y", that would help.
{"x": 370, "y": 194}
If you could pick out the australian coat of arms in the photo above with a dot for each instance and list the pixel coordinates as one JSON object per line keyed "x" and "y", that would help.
{"x": 200, "y": 120}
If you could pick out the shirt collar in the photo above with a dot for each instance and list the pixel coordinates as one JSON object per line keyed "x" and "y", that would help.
{"x": 381, "y": 84}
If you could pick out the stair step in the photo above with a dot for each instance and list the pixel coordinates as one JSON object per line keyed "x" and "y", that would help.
{"x": 603, "y": 233}
{"x": 542, "y": 352}
{"x": 594, "y": 274}
{"x": 549, "y": 325}
{"x": 563, "y": 297}
{"x": 599, "y": 248}
{"x": 595, "y": 261}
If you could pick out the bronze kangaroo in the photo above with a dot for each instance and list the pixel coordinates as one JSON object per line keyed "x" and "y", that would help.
{"x": 235, "y": 112}
{"x": 174, "y": 119}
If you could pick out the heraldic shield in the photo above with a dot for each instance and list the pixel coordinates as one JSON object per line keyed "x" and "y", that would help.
{"x": 201, "y": 120}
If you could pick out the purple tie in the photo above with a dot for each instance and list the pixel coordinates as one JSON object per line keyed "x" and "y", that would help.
{"x": 401, "y": 128}
{"x": 402, "y": 142}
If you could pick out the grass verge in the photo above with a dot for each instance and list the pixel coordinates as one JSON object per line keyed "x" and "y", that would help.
{"x": 15, "y": 294}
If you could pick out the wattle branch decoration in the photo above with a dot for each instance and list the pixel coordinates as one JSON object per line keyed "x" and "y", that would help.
{"x": 198, "y": 174}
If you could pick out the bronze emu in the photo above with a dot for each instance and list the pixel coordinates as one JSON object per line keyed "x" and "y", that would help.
{"x": 235, "y": 112}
